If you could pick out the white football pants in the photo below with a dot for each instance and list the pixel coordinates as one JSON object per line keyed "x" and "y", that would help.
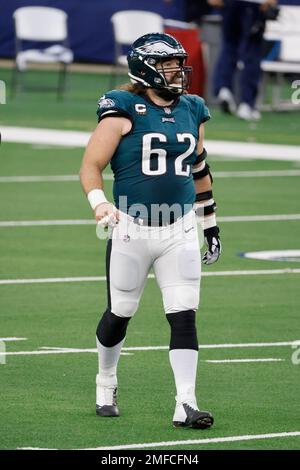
{"x": 172, "y": 251}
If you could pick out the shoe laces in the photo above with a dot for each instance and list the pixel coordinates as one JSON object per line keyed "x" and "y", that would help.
{"x": 108, "y": 395}
{"x": 191, "y": 408}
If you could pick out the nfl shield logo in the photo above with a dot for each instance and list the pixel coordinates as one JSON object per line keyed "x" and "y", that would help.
{"x": 105, "y": 102}
{"x": 167, "y": 110}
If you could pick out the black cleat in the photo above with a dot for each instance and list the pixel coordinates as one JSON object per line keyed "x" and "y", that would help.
{"x": 195, "y": 419}
{"x": 107, "y": 410}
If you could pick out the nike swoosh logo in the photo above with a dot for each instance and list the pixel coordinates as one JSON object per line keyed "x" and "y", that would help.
{"x": 189, "y": 229}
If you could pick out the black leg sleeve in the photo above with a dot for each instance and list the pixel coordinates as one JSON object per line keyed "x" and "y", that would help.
{"x": 183, "y": 330}
{"x": 111, "y": 329}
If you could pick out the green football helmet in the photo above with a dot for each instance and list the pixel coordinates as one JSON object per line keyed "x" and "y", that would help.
{"x": 153, "y": 48}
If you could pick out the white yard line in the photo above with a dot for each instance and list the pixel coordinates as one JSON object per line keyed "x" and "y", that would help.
{"x": 38, "y": 179}
{"x": 55, "y": 280}
{"x": 258, "y": 218}
{"x": 211, "y": 440}
{"x": 54, "y": 351}
{"x": 109, "y": 176}
{"x": 51, "y": 178}
{"x": 80, "y": 139}
{"x": 255, "y": 174}
{"x": 45, "y": 223}
{"x": 253, "y": 150}
{"x": 150, "y": 276}
{"x": 123, "y": 353}
{"x": 255, "y": 272}
{"x": 13, "y": 339}
{"x": 52, "y": 280}
{"x": 228, "y": 361}
{"x": 249, "y": 345}
{"x": 219, "y": 346}
{"x": 30, "y": 135}
{"x": 72, "y": 222}
{"x": 46, "y": 350}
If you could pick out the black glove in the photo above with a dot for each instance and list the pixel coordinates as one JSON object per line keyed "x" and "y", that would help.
{"x": 213, "y": 242}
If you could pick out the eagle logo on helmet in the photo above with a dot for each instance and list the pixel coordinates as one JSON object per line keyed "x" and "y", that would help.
{"x": 160, "y": 48}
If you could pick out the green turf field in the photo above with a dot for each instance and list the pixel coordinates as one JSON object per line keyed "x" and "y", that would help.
{"x": 48, "y": 396}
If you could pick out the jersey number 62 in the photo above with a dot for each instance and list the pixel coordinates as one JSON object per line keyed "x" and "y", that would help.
{"x": 161, "y": 155}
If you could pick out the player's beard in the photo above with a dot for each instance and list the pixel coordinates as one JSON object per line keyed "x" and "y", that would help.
{"x": 166, "y": 94}
{"x": 171, "y": 94}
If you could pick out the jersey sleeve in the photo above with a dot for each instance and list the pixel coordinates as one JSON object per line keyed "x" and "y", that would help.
{"x": 116, "y": 103}
{"x": 199, "y": 108}
{"x": 205, "y": 114}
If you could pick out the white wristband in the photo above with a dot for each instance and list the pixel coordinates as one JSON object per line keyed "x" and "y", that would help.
{"x": 209, "y": 221}
{"x": 96, "y": 197}
{"x": 205, "y": 221}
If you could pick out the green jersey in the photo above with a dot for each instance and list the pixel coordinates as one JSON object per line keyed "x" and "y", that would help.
{"x": 152, "y": 164}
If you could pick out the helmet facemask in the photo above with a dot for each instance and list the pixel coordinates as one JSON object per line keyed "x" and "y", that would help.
{"x": 181, "y": 76}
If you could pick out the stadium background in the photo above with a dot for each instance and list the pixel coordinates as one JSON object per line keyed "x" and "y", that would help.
{"x": 52, "y": 285}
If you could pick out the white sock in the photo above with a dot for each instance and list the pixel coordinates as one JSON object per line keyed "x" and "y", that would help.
{"x": 108, "y": 361}
{"x": 184, "y": 364}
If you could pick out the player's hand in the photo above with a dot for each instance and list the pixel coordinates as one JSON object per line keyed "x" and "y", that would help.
{"x": 213, "y": 243}
{"x": 106, "y": 215}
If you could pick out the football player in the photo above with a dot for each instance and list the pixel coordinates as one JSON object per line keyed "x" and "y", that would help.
{"x": 151, "y": 133}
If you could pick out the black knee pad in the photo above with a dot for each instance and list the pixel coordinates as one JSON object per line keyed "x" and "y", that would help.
{"x": 111, "y": 329}
{"x": 183, "y": 330}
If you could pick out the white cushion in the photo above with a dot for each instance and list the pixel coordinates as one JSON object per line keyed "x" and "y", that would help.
{"x": 52, "y": 54}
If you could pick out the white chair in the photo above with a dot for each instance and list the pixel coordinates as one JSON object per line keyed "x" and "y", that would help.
{"x": 42, "y": 24}
{"x": 128, "y": 25}
{"x": 285, "y": 29}
{"x": 287, "y": 23}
